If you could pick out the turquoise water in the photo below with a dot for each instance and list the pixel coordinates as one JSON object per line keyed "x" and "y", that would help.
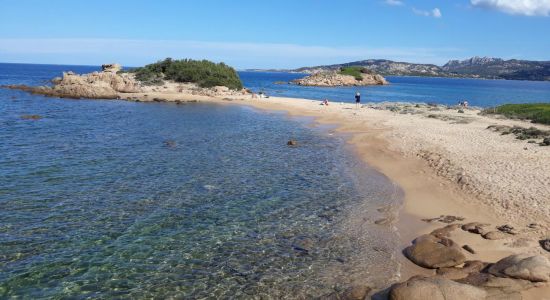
{"x": 114, "y": 199}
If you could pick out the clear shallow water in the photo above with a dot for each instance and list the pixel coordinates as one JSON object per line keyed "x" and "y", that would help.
{"x": 114, "y": 199}
{"x": 483, "y": 93}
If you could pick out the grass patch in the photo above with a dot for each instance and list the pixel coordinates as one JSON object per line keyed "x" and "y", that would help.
{"x": 202, "y": 72}
{"x": 536, "y": 112}
{"x": 355, "y": 71}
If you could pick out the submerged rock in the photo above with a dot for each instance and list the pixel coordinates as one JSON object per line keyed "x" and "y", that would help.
{"x": 292, "y": 143}
{"x": 31, "y": 117}
{"x": 358, "y": 292}
{"x": 434, "y": 252}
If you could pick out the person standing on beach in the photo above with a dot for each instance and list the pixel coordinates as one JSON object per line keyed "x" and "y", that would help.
{"x": 357, "y": 99}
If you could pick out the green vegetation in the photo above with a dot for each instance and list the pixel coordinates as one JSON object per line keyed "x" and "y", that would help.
{"x": 202, "y": 72}
{"x": 354, "y": 71}
{"x": 536, "y": 112}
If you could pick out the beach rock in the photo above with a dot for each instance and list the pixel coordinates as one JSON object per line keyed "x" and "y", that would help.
{"x": 469, "y": 267}
{"x": 523, "y": 266}
{"x": 435, "y": 288}
{"x": 507, "y": 229}
{"x": 292, "y": 143}
{"x": 494, "y": 235}
{"x": 545, "y": 142}
{"x": 358, "y": 292}
{"x": 384, "y": 221}
{"x": 445, "y": 231}
{"x": 497, "y": 288}
{"x": 545, "y": 244}
{"x": 469, "y": 249}
{"x": 475, "y": 227}
{"x": 434, "y": 252}
{"x": 333, "y": 78}
{"x": 444, "y": 219}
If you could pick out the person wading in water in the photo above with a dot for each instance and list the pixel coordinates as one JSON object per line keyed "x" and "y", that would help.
{"x": 357, "y": 99}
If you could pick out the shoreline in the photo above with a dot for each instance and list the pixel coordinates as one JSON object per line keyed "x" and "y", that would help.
{"x": 426, "y": 194}
{"x": 389, "y": 142}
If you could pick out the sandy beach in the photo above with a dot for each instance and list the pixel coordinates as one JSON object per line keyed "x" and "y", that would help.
{"x": 446, "y": 162}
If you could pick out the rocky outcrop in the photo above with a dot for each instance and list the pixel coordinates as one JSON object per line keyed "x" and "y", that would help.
{"x": 333, "y": 78}
{"x": 523, "y": 266}
{"x": 106, "y": 84}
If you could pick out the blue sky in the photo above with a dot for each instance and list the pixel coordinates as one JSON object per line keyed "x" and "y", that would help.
{"x": 271, "y": 34}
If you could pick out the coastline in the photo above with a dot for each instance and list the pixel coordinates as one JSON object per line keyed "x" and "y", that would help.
{"x": 427, "y": 194}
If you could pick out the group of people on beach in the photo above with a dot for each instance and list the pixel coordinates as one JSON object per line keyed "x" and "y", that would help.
{"x": 325, "y": 101}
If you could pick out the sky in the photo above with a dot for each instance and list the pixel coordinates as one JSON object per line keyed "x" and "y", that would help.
{"x": 271, "y": 34}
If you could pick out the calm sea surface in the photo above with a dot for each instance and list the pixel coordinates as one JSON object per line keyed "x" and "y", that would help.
{"x": 114, "y": 199}
{"x": 484, "y": 93}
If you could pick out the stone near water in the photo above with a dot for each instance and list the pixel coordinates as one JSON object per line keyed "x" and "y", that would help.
{"x": 292, "y": 143}
{"x": 433, "y": 252}
{"x": 422, "y": 288}
{"x": 445, "y": 231}
{"x": 358, "y": 292}
{"x": 523, "y": 266}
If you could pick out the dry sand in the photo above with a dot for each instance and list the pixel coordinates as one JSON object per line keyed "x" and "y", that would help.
{"x": 447, "y": 165}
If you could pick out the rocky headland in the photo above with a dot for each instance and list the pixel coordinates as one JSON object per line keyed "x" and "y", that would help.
{"x": 335, "y": 78}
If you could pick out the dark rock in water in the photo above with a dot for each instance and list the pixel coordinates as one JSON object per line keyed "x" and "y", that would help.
{"x": 433, "y": 252}
{"x": 170, "y": 143}
{"x": 303, "y": 244}
{"x": 292, "y": 143}
{"x": 383, "y": 221}
{"x": 507, "y": 229}
{"x": 159, "y": 100}
{"x": 435, "y": 288}
{"x": 475, "y": 227}
{"x": 522, "y": 266}
{"x": 545, "y": 244}
{"x": 469, "y": 249}
{"x": 31, "y": 117}
{"x": 13, "y": 97}
{"x": 352, "y": 293}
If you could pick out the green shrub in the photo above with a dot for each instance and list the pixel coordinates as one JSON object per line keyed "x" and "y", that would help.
{"x": 536, "y": 112}
{"x": 356, "y": 72}
{"x": 202, "y": 72}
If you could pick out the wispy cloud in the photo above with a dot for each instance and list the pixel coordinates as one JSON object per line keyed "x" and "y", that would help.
{"x": 436, "y": 12}
{"x": 516, "y": 7}
{"x": 241, "y": 55}
{"x": 394, "y": 2}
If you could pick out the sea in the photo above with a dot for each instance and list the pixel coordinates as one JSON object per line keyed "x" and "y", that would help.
{"x": 125, "y": 200}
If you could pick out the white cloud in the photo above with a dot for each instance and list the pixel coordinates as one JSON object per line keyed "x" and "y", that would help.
{"x": 240, "y": 55}
{"x": 436, "y": 13}
{"x": 394, "y": 2}
{"x": 516, "y": 7}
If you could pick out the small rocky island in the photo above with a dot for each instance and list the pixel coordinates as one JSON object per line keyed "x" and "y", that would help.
{"x": 348, "y": 76}
{"x": 166, "y": 77}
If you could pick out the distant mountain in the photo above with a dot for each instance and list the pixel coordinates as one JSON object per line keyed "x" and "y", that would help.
{"x": 475, "y": 67}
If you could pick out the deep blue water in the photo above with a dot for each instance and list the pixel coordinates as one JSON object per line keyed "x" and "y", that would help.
{"x": 483, "y": 93}
{"x": 115, "y": 199}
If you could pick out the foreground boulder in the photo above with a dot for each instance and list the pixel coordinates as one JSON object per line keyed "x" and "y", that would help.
{"x": 434, "y": 252}
{"x": 422, "y": 288}
{"x": 523, "y": 266}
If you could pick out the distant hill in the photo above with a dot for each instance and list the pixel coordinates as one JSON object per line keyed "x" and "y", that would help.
{"x": 475, "y": 67}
